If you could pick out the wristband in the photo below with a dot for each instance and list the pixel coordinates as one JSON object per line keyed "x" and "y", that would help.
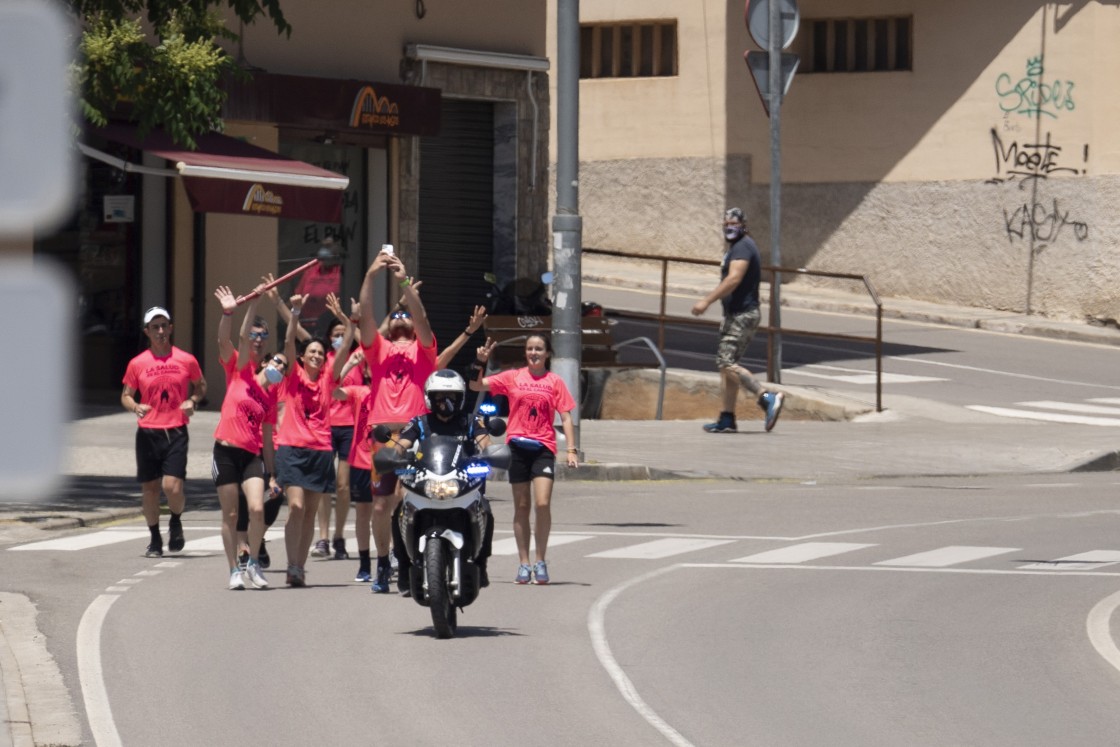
{"x": 226, "y": 313}
{"x": 573, "y": 451}
{"x": 295, "y": 311}
{"x": 468, "y": 332}
{"x": 406, "y": 282}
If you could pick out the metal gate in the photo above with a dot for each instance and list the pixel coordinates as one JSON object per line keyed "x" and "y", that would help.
{"x": 456, "y": 232}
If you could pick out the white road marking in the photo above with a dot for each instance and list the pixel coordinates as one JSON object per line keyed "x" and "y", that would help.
{"x": 1047, "y": 416}
{"x": 901, "y": 569}
{"x": 1081, "y": 561}
{"x": 1047, "y": 404}
{"x": 596, "y": 628}
{"x": 508, "y": 546}
{"x": 98, "y": 713}
{"x": 1106, "y": 400}
{"x": 85, "y": 541}
{"x": 657, "y": 549}
{"x": 205, "y": 545}
{"x": 803, "y": 552}
{"x": 1098, "y": 626}
{"x": 946, "y": 556}
{"x": 864, "y": 377}
{"x": 117, "y": 589}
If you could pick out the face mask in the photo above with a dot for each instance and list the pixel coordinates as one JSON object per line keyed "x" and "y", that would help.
{"x": 732, "y": 233}
{"x": 445, "y": 406}
{"x": 273, "y": 374}
{"x": 336, "y": 342}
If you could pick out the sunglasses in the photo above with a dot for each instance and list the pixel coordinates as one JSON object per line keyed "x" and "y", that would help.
{"x": 283, "y": 364}
{"x": 258, "y": 335}
{"x": 400, "y": 315}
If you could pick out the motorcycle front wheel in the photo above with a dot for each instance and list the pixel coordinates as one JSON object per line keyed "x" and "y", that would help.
{"x": 437, "y": 567}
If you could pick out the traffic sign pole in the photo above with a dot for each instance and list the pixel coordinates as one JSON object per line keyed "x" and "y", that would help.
{"x": 775, "y": 374}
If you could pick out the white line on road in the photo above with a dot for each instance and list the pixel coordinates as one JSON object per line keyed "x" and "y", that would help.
{"x": 84, "y": 541}
{"x": 596, "y": 627}
{"x": 1100, "y": 631}
{"x": 90, "y": 675}
{"x": 802, "y": 552}
{"x": 1047, "y": 404}
{"x": 657, "y": 549}
{"x": 508, "y": 546}
{"x": 900, "y": 569}
{"x": 1081, "y": 561}
{"x": 1049, "y": 417}
{"x": 951, "y": 555}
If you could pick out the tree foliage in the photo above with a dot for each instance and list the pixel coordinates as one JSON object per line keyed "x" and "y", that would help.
{"x": 171, "y": 79}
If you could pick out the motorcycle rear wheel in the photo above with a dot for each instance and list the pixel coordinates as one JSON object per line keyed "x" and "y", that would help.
{"x": 437, "y": 566}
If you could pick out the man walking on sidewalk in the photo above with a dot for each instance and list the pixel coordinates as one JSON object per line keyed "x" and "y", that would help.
{"x": 170, "y": 384}
{"x": 740, "y": 275}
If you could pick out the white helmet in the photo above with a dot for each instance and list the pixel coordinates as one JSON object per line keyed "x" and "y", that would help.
{"x": 444, "y": 392}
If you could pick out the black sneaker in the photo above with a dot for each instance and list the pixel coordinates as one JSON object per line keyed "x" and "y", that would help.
{"x": 263, "y": 558}
{"x": 175, "y": 540}
{"x": 404, "y": 584}
{"x": 155, "y": 550}
{"x": 339, "y": 547}
{"x": 483, "y": 577}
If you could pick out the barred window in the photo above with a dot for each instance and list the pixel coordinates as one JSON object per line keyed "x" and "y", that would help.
{"x": 855, "y": 45}
{"x": 630, "y": 49}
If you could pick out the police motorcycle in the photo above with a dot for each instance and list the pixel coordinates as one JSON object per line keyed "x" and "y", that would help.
{"x": 443, "y": 513}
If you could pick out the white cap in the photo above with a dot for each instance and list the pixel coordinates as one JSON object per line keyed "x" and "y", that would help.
{"x": 153, "y": 312}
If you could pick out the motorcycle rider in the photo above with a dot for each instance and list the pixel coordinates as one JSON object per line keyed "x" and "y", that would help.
{"x": 445, "y": 394}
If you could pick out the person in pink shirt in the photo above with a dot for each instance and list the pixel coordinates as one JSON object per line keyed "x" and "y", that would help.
{"x": 535, "y": 395}
{"x": 359, "y": 398}
{"x": 399, "y": 366}
{"x": 162, "y": 387}
{"x": 304, "y": 458}
{"x": 243, "y": 451}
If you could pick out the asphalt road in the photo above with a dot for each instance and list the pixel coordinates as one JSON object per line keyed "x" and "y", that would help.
{"x": 907, "y": 611}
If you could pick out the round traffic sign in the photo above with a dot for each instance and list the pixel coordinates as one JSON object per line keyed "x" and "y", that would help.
{"x": 757, "y": 17}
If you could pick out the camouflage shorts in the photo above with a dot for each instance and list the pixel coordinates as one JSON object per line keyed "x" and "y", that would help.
{"x": 735, "y": 333}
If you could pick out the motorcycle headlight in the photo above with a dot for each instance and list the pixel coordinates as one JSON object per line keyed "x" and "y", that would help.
{"x": 441, "y": 489}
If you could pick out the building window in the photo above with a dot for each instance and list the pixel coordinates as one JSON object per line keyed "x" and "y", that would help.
{"x": 855, "y": 45}
{"x": 632, "y": 49}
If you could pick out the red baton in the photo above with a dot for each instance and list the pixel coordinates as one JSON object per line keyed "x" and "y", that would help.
{"x": 253, "y": 294}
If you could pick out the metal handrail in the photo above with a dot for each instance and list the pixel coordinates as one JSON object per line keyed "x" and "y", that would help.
{"x": 662, "y": 317}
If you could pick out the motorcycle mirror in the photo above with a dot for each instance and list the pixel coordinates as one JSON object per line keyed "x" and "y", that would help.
{"x": 496, "y": 426}
{"x": 546, "y": 278}
{"x": 388, "y": 460}
{"x": 497, "y": 456}
{"x": 382, "y": 434}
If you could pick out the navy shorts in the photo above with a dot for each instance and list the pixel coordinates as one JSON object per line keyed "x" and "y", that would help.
{"x": 525, "y": 464}
{"x": 342, "y": 436}
{"x": 161, "y": 452}
{"x": 305, "y": 468}
{"x": 232, "y": 465}
{"x": 361, "y": 490}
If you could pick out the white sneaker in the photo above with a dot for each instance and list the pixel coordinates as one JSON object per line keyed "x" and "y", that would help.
{"x": 253, "y": 573}
{"x": 236, "y": 582}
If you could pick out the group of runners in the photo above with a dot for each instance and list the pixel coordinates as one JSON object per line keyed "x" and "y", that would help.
{"x": 296, "y": 425}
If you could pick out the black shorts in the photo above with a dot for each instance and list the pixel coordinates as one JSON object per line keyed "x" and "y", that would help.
{"x": 305, "y": 468}
{"x": 233, "y": 465}
{"x": 161, "y": 452}
{"x": 342, "y": 436}
{"x": 361, "y": 490}
{"x": 385, "y": 485}
{"x": 525, "y": 464}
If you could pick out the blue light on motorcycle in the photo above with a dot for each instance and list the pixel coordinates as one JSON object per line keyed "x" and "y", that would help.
{"x": 477, "y": 470}
{"x": 488, "y": 408}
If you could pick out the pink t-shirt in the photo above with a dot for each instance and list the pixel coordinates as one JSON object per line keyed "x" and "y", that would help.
{"x": 245, "y": 409}
{"x": 399, "y": 372}
{"x": 533, "y": 403}
{"x": 314, "y": 285}
{"x": 307, "y": 408}
{"x": 341, "y": 413}
{"x": 358, "y": 399}
{"x": 163, "y": 383}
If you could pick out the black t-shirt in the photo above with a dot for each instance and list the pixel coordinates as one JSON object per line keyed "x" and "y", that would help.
{"x": 463, "y": 425}
{"x": 745, "y": 296}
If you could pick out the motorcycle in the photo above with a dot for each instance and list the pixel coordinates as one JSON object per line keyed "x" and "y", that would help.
{"x": 443, "y": 517}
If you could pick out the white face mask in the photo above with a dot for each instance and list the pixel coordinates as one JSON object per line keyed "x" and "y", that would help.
{"x": 273, "y": 374}
{"x": 732, "y": 233}
{"x": 336, "y": 342}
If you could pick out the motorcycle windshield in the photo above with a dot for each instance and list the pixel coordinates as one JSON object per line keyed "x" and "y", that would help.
{"x": 439, "y": 455}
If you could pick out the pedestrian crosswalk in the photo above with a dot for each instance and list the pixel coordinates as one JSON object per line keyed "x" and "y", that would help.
{"x": 769, "y": 553}
{"x": 1101, "y": 411}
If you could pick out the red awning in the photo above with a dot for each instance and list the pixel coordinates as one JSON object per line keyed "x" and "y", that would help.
{"x": 227, "y": 175}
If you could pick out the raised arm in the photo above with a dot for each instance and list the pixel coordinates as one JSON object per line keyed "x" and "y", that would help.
{"x": 225, "y": 324}
{"x": 244, "y": 346}
{"x": 347, "y": 336}
{"x": 445, "y": 355}
{"x": 367, "y": 323}
{"x": 281, "y": 308}
{"x": 420, "y": 324}
{"x": 482, "y": 355}
{"x": 290, "y": 336}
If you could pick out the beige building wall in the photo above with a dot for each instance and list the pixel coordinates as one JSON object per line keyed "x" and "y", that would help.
{"x": 906, "y": 176}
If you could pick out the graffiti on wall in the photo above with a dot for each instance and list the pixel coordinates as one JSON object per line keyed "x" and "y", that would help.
{"x": 1031, "y": 96}
{"x": 1025, "y": 161}
{"x": 1042, "y": 222}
